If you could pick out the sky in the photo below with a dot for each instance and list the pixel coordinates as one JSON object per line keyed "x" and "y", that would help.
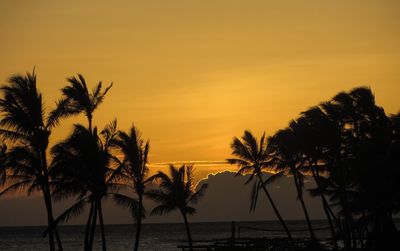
{"x": 191, "y": 75}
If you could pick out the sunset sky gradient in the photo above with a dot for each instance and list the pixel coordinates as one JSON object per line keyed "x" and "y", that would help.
{"x": 191, "y": 75}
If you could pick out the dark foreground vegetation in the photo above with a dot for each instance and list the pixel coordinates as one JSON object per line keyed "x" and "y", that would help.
{"x": 348, "y": 146}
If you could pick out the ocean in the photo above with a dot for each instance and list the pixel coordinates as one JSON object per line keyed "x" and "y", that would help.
{"x": 154, "y": 237}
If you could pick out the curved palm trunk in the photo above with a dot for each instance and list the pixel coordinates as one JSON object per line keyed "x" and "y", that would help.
{"x": 139, "y": 222}
{"x": 103, "y": 234}
{"x": 50, "y": 219}
{"x": 303, "y": 205}
{"x": 326, "y": 208}
{"x": 50, "y": 222}
{"x": 347, "y": 220}
{"x": 93, "y": 227}
{"x": 49, "y": 206}
{"x": 347, "y": 229}
{"x": 327, "y": 211}
{"x": 88, "y": 226}
{"x": 188, "y": 231}
{"x": 57, "y": 235}
{"x": 278, "y": 215}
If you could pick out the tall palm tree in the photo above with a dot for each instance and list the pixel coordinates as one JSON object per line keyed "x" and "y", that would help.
{"x": 319, "y": 133}
{"x": 76, "y": 99}
{"x": 354, "y": 113}
{"x": 286, "y": 150}
{"x": 252, "y": 157}
{"x": 25, "y": 124}
{"x": 82, "y": 166}
{"x": 176, "y": 192}
{"x": 133, "y": 172}
{"x": 353, "y": 139}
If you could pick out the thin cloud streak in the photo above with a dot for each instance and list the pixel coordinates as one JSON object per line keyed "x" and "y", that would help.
{"x": 197, "y": 163}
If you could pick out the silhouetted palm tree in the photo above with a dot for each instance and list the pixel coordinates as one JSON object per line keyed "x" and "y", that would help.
{"x": 82, "y": 167}
{"x": 252, "y": 157}
{"x": 176, "y": 192}
{"x": 78, "y": 99}
{"x": 351, "y": 113}
{"x": 320, "y": 133}
{"x": 352, "y": 140}
{"x": 26, "y": 125}
{"x": 133, "y": 172}
{"x": 286, "y": 150}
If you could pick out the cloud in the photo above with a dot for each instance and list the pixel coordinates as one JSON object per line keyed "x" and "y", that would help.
{"x": 226, "y": 199}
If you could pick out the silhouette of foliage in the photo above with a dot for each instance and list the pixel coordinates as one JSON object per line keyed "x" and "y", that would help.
{"x": 252, "y": 157}
{"x": 132, "y": 172}
{"x": 176, "y": 192}
{"x": 24, "y": 123}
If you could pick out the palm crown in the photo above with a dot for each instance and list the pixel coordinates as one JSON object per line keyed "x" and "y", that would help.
{"x": 251, "y": 156}
{"x": 176, "y": 192}
{"x": 77, "y": 98}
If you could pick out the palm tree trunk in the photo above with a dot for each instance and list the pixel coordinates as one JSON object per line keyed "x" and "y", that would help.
{"x": 278, "y": 215}
{"x": 331, "y": 218}
{"x": 93, "y": 227}
{"x": 139, "y": 222}
{"x": 188, "y": 231}
{"x": 50, "y": 225}
{"x": 326, "y": 208}
{"x": 346, "y": 228}
{"x": 303, "y": 205}
{"x": 47, "y": 198}
{"x": 103, "y": 234}
{"x": 57, "y": 235}
{"x": 88, "y": 226}
{"x": 50, "y": 219}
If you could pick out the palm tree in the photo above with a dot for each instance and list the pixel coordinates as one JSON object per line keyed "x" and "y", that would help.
{"x": 133, "y": 172}
{"x": 176, "y": 192}
{"x": 82, "y": 167}
{"x": 25, "y": 124}
{"x": 252, "y": 157}
{"x": 354, "y": 141}
{"x": 78, "y": 99}
{"x": 286, "y": 148}
{"x": 319, "y": 133}
{"x": 353, "y": 113}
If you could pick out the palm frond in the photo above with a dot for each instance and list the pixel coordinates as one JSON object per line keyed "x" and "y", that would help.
{"x": 72, "y": 212}
{"x": 241, "y": 151}
{"x": 196, "y": 196}
{"x": 131, "y": 203}
{"x": 18, "y": 186}
{"x": 274, "y": 177}
{"x": 161, "y": 209}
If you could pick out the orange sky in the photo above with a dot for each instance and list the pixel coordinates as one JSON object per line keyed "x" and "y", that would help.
{"x": 193, "y": 74}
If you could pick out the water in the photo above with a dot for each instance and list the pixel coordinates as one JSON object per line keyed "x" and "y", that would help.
{"x": 154, "y": 236}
